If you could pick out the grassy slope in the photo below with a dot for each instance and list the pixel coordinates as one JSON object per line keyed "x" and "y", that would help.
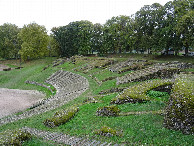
{"x": 137, "y": 129}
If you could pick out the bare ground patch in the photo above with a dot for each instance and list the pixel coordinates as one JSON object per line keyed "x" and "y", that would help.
{"x": 15, "y": 100}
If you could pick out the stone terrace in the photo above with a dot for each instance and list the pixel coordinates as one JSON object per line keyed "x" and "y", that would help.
{"x": 69, "y": 86}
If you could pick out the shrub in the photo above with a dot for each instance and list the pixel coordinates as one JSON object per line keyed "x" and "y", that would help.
{"x": 14, "y": 137}
{"x": 61, "y": 117}
{"x": 179, "y": 113}
{"x": 137, "y": 93}
{"x": 108, "y": 111}
{"x": 107, "y": 131}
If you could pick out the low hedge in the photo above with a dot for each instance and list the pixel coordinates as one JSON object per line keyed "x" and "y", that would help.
{"x": 61, "y": 117}
{"x": 14, "y": 137}
{"x": 108, "y": 111}
{"x": 179, "y": 113}
{"x": 137, "y": 93}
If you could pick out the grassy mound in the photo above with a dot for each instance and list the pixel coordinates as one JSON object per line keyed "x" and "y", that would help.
{"x": 180, "y": 110}
{"x": 137, "y": 93}
{"x": 61, "y": 117}
{"x": 14, "y": 137}
{"x": 107, "y": 131}
{"x": 108, "y": 111}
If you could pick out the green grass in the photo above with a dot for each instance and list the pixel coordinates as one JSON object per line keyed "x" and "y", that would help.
{"x": 37, "y": 142}
{"x": 145, "y": 129}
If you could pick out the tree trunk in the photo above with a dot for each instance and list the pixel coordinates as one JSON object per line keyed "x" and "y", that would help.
{"x": 186, "y": 50}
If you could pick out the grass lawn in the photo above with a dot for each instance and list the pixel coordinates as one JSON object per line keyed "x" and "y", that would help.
{"x": 143, "y": 129}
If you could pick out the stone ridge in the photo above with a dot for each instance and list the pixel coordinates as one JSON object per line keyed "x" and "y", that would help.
{"x": 62, "y": 138}
{"x": 69, "y": 86}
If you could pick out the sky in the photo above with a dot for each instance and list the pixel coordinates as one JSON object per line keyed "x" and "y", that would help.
{"x": 54, "y": 13}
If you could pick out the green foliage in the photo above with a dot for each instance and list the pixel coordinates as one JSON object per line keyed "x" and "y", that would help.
{"x": 37, "y": 142}
{"x": 61, "y": 117}
{"x": 14, "y": 137}
{"x": 34, "y": 41}
{"x": 157, "y": 95}
{"x": 185, "y": 28}
{"x": 107, "y": 131}
{"x": 118, "y": 34}
{"x": 74, "y": 38}
{"x": 53, "y": 47}
{"x": 180, "y": 109}
{"x": 9, "y": 42}
{"x": 137, "y": 93}
{"x": 108, "y": 111}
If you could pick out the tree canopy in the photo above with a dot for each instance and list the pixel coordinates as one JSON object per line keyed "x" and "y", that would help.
{"x": 9, "y": 42}
{"x": 153, "y": 28}
{"x": 34, "y": 41}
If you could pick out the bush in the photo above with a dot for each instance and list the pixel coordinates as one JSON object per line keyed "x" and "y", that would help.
{"x": 138, "y": 92}
{"x": 107, "y": 131}
{"x": 14, "y": 137}
{"x": 108, "y": 111}
{"x": 61, "y": 117}
{"x": 180, "y": 110}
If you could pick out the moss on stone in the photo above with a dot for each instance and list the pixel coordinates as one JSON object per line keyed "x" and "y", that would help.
{"x": 61, "y": 117}
{"x": 108, "y": 111}
{"x": 14, "y": 137}
{"x": 107, "y": 131}
{"x": 179, "y": 113}
{"x": 137, "y": 93}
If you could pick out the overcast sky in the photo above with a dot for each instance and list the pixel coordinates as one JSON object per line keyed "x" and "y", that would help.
{"x": 54, "y": 13}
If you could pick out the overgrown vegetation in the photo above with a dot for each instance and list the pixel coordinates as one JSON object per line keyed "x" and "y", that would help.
{"x": 140, "y": 122}
{"x": 61, "y": 117}
{"x": 180, "y": 109}
{"x": 14, "y": 137}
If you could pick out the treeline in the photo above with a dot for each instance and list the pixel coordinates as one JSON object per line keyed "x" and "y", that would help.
{"x": 152, "y": 28}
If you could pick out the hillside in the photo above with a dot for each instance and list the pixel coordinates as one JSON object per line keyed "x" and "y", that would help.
{"x": 103, "y": 100}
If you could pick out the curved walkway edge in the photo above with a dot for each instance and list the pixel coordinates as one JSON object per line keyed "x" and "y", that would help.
{"x": 69, "y": 86}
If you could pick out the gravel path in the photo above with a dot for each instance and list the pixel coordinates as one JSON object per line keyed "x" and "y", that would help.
{"x": 15, "y": 100}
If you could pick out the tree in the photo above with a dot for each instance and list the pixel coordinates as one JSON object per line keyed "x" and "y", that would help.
{"x": 97, "y": 39}
{"x": 84, "y": 37}
{"x": 53, "y": 47}
{"x": 173, "y": 12}
{"x": 117, "y": 33}
{"x": 74, "y": 38}
{"x": 9, "y": 42}
{"x": 34, "y": 41}
{"x": 147, "y": 23}
{"x": 185, "y": 28}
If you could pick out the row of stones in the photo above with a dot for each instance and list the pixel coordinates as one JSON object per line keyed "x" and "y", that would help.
{"x": 65, "y": 139}
{"x": 128, "y": 63}
{"x": 164, "y": 70}
{"x": 120, "y": 65}
{"x": 58, "y": 100}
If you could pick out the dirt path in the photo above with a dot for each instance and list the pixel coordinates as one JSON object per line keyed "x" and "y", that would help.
{"x": 14, "y": 100}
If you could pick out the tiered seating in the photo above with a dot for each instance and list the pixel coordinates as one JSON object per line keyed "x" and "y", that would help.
{"x": 69, "y": 86}
{"x": 122, "y": 66}
{"x": 152, "y": 72}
